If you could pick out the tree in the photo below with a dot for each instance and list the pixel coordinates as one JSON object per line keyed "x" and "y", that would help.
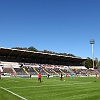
{"x": 99, "y": 64}
{"x": 88, "y": 63}
{"x": 20, "y": 48}
{"x": 96, "y": 63}
{"x": 31, "y": 48}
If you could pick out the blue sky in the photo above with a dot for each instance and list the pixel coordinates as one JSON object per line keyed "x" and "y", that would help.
{"x": 62, "y": 26}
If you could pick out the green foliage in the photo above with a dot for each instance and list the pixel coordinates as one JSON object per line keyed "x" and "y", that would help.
{"x": 99, "y": 64}
{"x": 31, "y": 48}
{"x": 20, "y": 48}
{"x": 89, "y": 63}
{"x": 96, "y": 63}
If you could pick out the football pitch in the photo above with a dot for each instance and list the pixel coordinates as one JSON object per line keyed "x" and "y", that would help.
{"x": 82, "y": 88}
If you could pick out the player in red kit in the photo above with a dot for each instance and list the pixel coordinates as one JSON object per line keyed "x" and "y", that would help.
{"x": 39, "y": 77}
{"x": 96, "y": 76}
{"x": 66, "y": 76}
{"x": 61, "y": 77}
{"x": 0, "y": 74}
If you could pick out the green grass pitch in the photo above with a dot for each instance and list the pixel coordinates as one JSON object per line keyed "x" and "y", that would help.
{"x": 82, "y": 88}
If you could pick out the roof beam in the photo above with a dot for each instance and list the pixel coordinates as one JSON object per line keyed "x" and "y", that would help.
{"x": 10, "y": 53}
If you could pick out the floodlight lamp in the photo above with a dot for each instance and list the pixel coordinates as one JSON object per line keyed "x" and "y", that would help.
{"x": 92, "y": 41}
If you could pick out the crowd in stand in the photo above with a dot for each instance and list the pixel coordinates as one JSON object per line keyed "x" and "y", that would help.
{"x": 45, "y": 69}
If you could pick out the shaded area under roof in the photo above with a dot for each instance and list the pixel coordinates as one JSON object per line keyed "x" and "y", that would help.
{"x": 37, "y": 55}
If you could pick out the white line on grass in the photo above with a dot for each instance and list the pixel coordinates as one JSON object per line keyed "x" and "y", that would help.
{"x": 83, "y": 83}
{"x": 14, "y": 93}
{"x": 52, "y": 85}
{"x": 38, "y": 86}
{"x": 9, "y": 81}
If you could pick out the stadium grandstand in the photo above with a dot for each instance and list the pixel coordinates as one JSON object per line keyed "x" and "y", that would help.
{"x": 14, "y": 62}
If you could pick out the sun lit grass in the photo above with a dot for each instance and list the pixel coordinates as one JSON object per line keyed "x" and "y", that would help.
{"x": 50, "y": 89}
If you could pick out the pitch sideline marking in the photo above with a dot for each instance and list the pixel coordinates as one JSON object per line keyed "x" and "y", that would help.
{"x": 52, "y": 85}
{"x": 7, "y": 80}
{"x": 13, "y": 93}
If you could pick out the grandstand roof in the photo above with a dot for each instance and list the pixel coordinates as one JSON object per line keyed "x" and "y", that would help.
{"x": 37, "y": 55}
